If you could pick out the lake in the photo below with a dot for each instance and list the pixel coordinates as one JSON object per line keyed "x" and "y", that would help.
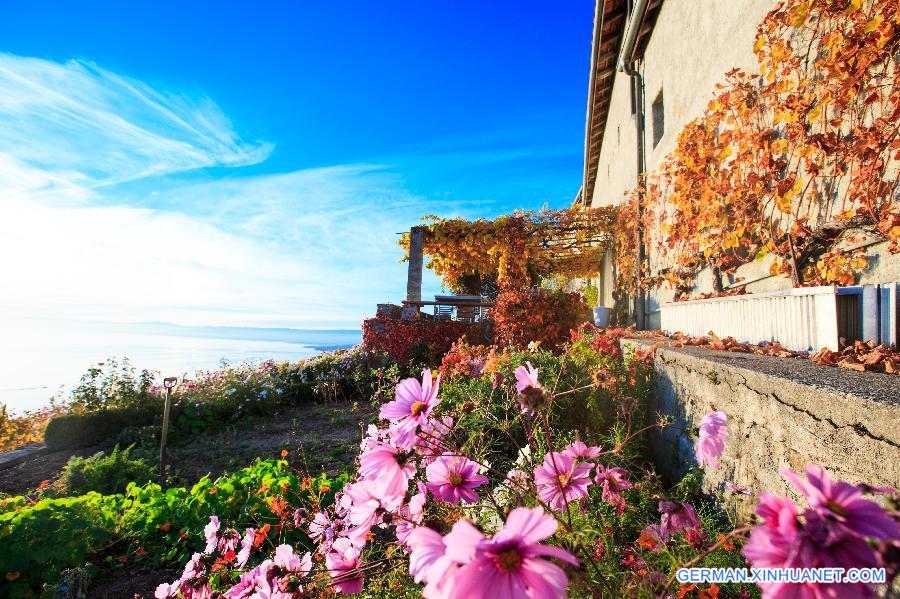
{"x": 41, "y": 359}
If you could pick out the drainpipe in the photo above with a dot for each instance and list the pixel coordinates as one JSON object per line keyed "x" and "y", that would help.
{"x": 626, "y": 65}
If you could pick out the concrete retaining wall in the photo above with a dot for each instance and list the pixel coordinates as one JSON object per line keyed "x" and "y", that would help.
{"x": 781, "y": 412}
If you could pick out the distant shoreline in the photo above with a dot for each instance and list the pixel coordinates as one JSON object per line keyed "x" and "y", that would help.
{"x": 327, "y": 348}
{"x": 51, "y": 357}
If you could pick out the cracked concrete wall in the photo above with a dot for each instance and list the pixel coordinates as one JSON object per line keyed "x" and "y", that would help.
{"x": 773, "y": 421}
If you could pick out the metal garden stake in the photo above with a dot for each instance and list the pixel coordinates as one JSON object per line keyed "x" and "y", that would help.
{"x": 169, "y": 383}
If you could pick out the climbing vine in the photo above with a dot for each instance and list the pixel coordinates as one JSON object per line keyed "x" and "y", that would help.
{"x": 518, "y": 249}
{"x": 799, "y": 160}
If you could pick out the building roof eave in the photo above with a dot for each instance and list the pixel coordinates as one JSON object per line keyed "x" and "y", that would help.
{"x": 610, "y": 22}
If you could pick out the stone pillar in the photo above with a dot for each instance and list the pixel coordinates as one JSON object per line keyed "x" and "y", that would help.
{"x": 414, "y": 278}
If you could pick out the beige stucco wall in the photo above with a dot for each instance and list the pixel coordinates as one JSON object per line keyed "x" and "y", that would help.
{"x": 693, "y": 45}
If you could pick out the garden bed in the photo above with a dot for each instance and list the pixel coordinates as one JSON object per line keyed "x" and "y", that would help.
{"x": 325, "y": 435}
{"x": 28, "y": 475}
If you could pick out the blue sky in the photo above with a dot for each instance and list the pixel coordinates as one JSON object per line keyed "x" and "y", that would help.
{"x": 250, "y": 164}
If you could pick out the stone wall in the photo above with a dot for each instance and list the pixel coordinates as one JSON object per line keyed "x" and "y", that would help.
{"x": 781, "y": 412}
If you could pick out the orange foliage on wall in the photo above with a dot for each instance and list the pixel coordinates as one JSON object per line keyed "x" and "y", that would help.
{"x": 790, "y": 161}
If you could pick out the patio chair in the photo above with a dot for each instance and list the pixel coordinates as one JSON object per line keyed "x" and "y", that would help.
{"x": 443, "y": 312}
{"x": 466, "y": 313}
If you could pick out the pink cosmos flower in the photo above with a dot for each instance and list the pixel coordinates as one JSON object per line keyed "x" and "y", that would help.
{"x": 404, "y": 527}
{"x": 373, "y": 434}
{"x": 192, "y": 584}
{"x": 677, "y": 517}
{"x": 561, "y": 479}
{"x": 417, "y": 503}
{"x": 430, "y": 441}
{"x": 246, "y": 585}
{"x": 526, "y": 376}
{"x": 322, "y": 529}
{"x": 783, "y": 541}
{"x": 427, "y": 549}
{"x": 211, "y": 531}
{"x": 770, "y": 542}
{"x": 435, "y": 560}
{"x": 288, "y": 561}
{"x": 342, "y": 499}
{"x": 342, "y": 562}
{"x": 166, "y": 590}
{"x": 278, "y": 578}
{"x": 842, "y": 505}
{"x": 614, "y": 481}
{"x": 517, "y": 480}
{"x": 228, "y": 541}
{"x": 510, "y": 564}
{"x": 531, "y": 393}
{"x": 195, "y": 590}
{"x": 411, "y": 408}
{"x": 733, "y": 488}
{"x": 246, "y": 547}
{"x": 711, "y": 442}
{"x": 411, "y": 514}
{"x": 193, "y": 569}
{"x": 389, "y": 466}
{"x": 454, "y": 479}
{"x": 578, "y": 449}
{"x": 369, "y": 504}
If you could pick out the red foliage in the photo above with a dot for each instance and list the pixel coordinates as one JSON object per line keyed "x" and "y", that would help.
{"x": 465, "y": 359}
{"x": 537, "y": 315}
{"x": 428, "y": 340}
{"x": 604, "y": 340}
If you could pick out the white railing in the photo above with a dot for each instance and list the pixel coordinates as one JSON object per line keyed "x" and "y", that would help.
{"x": 804, "y": 319}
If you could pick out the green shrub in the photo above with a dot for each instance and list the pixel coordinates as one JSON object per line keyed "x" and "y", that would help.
{"x": 39, "y": 541}
{"x": 113, "y": 384}
{"x": 106, "y": 474}
{"x": 591, "y": 295}
{"x": 72, "y": 431}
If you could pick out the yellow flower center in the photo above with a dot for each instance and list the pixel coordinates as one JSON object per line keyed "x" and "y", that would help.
{"x": 455, "y": 479}
{"x": 417, "y": 408}
{"x": 563, "y": 479}
{"x": 840, "y": 511}
{"x": 509, "y": 560}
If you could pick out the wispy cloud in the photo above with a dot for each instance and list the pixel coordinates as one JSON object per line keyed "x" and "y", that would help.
{"x": 79, "y": 123}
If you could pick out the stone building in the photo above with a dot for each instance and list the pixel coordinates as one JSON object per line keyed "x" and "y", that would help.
{"x": 654, "y": 68}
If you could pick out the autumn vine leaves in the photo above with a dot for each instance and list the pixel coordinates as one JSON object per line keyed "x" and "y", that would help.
{"x": 518, "y": 249}
{"x": 799, "y": 160}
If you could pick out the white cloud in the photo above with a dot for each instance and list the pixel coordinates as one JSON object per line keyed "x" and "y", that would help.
{"x": 82, "y": 123}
